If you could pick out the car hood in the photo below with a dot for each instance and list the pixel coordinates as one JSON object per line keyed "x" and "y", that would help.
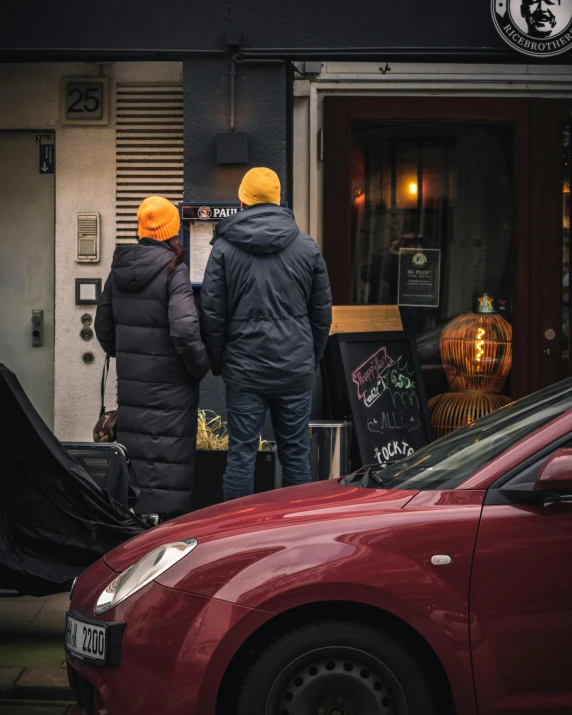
{"x": 254, "y": 517}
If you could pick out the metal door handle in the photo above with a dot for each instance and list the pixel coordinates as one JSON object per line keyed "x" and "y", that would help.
{"x": 37, "y": 328}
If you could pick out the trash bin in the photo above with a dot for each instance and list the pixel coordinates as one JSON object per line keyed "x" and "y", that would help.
{"x": 330, "y": 445}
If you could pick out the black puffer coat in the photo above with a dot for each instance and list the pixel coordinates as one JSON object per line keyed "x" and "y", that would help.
{"x": 266, "y": 304}
{"x": 147, "y": 319}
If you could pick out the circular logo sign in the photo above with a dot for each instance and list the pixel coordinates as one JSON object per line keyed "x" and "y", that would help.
{"x": 419, "y": 259}
{"x": 541, "y": 28}
{"x": 204, "y": 213}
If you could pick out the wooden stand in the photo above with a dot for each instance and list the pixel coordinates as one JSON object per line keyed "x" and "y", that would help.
{"x": 365, "y": 319}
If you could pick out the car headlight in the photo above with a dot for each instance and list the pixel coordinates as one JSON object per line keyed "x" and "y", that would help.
{"x": 143, "y": 572}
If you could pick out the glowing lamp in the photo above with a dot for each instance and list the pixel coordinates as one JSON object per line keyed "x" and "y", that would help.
{"x": 413, "y": 188}
{"x": 476, "y": 349}
{"x": 477, "y": 352}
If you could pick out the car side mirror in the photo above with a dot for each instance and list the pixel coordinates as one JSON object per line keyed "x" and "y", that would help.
{"x": 556, "y": 473}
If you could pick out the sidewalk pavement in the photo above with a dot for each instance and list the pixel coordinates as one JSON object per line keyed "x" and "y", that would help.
{"x": 24, "y": 707}
{"x": 32, "y": 657}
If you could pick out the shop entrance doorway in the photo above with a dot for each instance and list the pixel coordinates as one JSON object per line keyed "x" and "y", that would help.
{"x": 482, "y": 185}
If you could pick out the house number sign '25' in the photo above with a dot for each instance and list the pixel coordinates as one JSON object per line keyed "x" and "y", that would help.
{"x": 85, "y": 101}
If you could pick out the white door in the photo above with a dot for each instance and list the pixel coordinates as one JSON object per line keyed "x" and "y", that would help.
{"x": 27, "y": 266}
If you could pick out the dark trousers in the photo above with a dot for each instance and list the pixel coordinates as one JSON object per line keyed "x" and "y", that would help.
{"x": 290, "y": 419}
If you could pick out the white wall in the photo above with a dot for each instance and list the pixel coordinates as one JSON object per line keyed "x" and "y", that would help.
{"x": 85, "y": 181}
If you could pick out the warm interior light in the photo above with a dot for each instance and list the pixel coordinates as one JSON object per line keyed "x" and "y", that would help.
{"x": 480, "y": 344}
{"x": 413, "y": 188}
{"x": 476, "y": 349}
{"x": 359, "y": 195}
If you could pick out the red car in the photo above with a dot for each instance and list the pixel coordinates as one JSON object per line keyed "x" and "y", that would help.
{"x": 441, "y": 585}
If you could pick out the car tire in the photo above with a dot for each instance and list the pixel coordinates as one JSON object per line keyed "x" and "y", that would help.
{"x": 335, "y": 667}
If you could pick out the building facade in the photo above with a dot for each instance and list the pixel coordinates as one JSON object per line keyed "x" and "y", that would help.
{"x": 392, "y": 128}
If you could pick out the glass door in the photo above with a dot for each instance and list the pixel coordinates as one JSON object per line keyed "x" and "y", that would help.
{"x": 448, "y": 188}
{"x": 473, "y": 188}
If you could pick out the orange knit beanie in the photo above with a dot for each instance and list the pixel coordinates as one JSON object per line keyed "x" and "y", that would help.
{"x": 260, "y": 186}
{"x": 158, "y": 218}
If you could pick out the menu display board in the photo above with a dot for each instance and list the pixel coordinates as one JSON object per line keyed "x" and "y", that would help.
{"x": 198, "y": 222}
{"x": 374, "y": 380}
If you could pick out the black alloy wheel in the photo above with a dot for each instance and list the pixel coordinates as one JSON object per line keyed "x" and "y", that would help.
{"x": 335, "y": 668}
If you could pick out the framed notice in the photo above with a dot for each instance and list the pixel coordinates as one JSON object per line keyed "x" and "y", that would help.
{"x": 419, "y": 277}
{"x": 198, "y": 222}
{"x": 200, "y": 237}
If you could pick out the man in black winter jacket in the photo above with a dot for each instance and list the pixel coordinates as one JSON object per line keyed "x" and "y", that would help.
{"x": 266, "y": 312}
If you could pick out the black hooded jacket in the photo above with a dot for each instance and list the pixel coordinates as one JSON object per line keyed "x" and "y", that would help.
{"x": 147, "y": 319}
{"x": 266, "y": 304}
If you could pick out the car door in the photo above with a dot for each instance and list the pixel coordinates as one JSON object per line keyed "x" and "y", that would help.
{"x": 521, "y": 598}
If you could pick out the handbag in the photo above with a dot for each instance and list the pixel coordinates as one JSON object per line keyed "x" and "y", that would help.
{"x": 106, "y": 428}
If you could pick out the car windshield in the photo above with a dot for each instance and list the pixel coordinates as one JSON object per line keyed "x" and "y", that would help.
{"x": 448, "y": 462}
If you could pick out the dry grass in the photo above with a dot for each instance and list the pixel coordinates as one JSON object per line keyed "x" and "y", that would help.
{"x": 212, "y": 434}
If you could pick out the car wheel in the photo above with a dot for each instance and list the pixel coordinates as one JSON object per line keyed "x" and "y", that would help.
{"x": 335, "y": 668}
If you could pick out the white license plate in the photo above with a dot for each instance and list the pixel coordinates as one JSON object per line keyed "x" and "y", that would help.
{"x": 86, "y": 640}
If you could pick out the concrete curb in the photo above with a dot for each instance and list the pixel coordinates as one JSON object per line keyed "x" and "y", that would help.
{"x": 35, "y": 707}
{"x": 49, "y": 684}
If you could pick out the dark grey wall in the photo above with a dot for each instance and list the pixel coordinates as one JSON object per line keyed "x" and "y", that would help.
{"x": 178, "y": 25}
{"x": 261, "y": 93}
{"x": 261, "y": 110}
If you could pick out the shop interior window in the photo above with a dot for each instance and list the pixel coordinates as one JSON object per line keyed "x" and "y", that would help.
{"x": 433, "y": 186}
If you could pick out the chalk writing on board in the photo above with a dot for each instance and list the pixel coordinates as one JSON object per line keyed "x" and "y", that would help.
{"x": 379, "y": 375}
{"x": 393, "y": 421}
{"x": 368, "y": 376}
{"x": 385, "y": 422}
{"x": 400, "y": 384}
{"x": 403, "y": 399}
{"x": 392, "y": 451}
{"x": 410, "y": 423}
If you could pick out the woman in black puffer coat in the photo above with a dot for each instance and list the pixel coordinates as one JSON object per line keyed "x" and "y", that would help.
{"x": 146, "y": 318}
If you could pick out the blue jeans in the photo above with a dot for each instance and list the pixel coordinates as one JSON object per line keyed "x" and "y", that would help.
{"x": 290, "y": 419}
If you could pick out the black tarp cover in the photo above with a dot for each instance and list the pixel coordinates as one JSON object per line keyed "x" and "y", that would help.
{"x": 55, "y": 521}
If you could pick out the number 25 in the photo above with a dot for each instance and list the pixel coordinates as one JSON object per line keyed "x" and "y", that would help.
{"x": 85, "y": 101}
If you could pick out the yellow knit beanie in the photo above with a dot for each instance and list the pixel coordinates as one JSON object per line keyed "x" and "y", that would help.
{"x": 158, "y": 218}
{"x": 260, "y": 186}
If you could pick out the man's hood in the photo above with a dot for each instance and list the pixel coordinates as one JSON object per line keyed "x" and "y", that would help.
{"x": 264, "y": 228}
{"x": 135, "y": 266}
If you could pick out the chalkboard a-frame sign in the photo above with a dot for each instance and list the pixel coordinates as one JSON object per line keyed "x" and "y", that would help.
{"x": 375, "y": 381}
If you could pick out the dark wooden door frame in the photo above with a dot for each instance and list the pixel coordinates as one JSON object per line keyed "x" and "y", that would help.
{"x": 547, "y": 118}
{"x": 538, "y": 196}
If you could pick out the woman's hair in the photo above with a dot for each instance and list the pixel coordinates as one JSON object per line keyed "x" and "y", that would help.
{"x": 175, "y": 246}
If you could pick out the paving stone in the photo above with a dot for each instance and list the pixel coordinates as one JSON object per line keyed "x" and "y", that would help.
{"x": 32, "y": 655}
{"x": 8, "y": 676}
{"x": 22, "y": 652}
{"x": 10, "y": 628}
{"x": 26, "y": 708}
{"x": 59, "y": 603}
{"x": 42, "y": 683}
{"x": 50, "y": 624}
{"x": 20, "y": 610}
{"x": 43, "y": 677}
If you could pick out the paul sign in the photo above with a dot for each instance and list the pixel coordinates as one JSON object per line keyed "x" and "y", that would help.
{"x": 541, "y": 28}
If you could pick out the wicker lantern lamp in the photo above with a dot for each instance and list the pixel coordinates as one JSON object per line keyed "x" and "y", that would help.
{"x": 476, "y": 349}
